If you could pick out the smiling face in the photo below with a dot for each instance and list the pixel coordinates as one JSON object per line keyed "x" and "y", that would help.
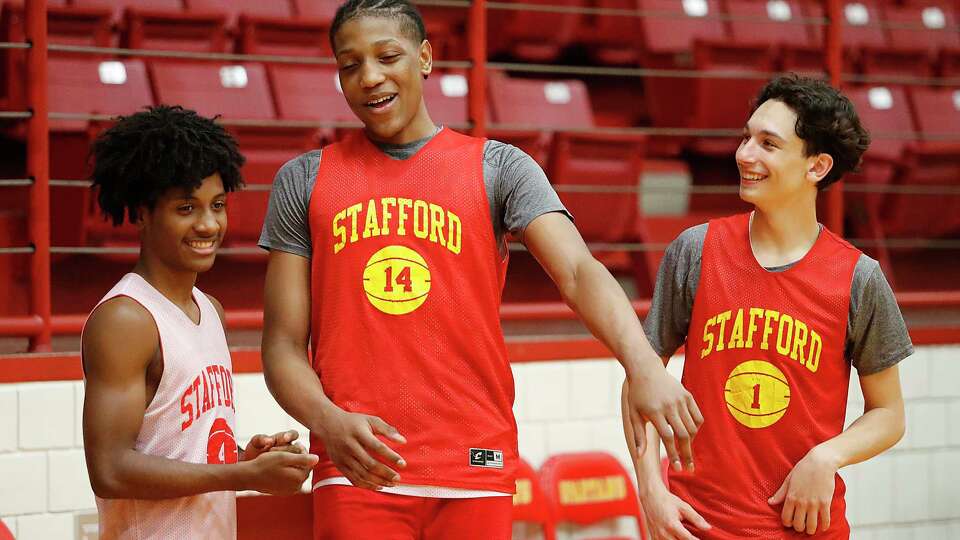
{"x": 774, "y": 168}
{"x": 381, "y": 71}
{"x": 184, "y": 229}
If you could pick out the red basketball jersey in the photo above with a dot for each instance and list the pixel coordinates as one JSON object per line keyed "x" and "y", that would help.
{"x": 765, "y": 362}
{"x": 406, "y": 283}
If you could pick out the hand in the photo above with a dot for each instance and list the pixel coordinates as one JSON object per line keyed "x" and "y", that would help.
{"x": 660, "y": 399}
{"x": 350, "y": 437}
{"x": 279, "y": 473}
{"x": 283, "y": 442}
{"x": 807, "y": 493}
{"x": 666, "y": 513}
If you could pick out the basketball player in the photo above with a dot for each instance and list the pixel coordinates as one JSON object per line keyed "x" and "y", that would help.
{"x": 774, "y": 310}
{"x": 158, "y": 415}
{"x": 387, "y": 258}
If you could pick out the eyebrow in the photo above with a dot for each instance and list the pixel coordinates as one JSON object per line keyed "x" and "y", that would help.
{"x": 774, "y": 134}
{"x": 375, "y": 44}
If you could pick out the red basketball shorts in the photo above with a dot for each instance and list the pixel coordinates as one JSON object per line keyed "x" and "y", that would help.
{"x": 352, "y": 513}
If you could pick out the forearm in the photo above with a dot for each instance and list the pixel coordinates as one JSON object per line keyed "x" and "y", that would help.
{"x": 133, "y": 475}
{"x": 877, "y": 430}
{"x": 295, "y": 385}
{"x": 647, "y": 463}
{"x": 602, "y": 305}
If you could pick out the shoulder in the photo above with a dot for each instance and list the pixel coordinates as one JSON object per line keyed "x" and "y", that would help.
{"x": 690, "y": 241}
{"x": 120, "y": 316}
{"x": 497, "y": 153}
{"x": 301, "y": 166}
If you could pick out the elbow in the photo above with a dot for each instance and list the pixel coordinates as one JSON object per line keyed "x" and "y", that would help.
{"x": 105, "y": 484}
{"x": 899, "y": 426}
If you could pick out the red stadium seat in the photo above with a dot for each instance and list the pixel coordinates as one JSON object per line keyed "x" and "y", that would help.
{"x": 529, "y": 503}
{"x": 533, "y": 36}
{"x": 117, "y": 7}
{"x": 586, "y": 488}
{"x": 576, "y": 158}
{"x": 933, "y": 26}
{"x": 612, "y": 39}
{"x": 159, "y": 29}
{"x": 321, "y": 10}
{"x": 282, "y": 36}
{"x": 781, "y": 29}
{"x": 446, "y": 98}
{"x": 310, "y": 93}
{"x": 91, "y": 86}
{"x": 233, "y": 8}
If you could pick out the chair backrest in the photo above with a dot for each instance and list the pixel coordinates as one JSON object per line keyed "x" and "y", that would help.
{"x": 309, "y": 93}
{"x": 771, "y": 22}
{"x": 932, "y": 26}
{"x": 685, "y": 21}
{"x": 119, "y": 6}
{"x": 87, "y": 85}
{"x": 529, "y": 503}
{"x": 446, "y": 98}
{"x": 233, "y": 8}
{"x": 937, "y": 111}
{"x": 540, "y": 104}
{"x": 322, "y": 10}
{"x": 588, "y": 487}
{"x": 234, "y": 91}
{"x": 860, "y": 24}
{"x": 884, "y": 112}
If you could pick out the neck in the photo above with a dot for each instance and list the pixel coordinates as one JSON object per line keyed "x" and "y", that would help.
{"x": 785, "y": 235}
{"x": 176, "y": 286}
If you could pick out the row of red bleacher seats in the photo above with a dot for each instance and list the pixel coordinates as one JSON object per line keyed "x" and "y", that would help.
{"x": 580, "y": 489}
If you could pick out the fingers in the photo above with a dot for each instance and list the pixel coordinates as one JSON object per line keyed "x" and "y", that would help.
{"x": 639, "y": 436}
{"x": 687, "y": 513}
{"x": 374, "y": 471}
{"x": 812, "y": 522}
{"x": 385, "y": 429}
{"x": 799, "y": 518}
{"x": 669, "y": 442}
{"x": 781, "y": 493}
{"x": 301, "y": 461}
{"x": 786, "y": 516}
{"x": 694, "y": 410}
{"x": 825, "y": 517}
{"x": 285, "y": 437}
{"x": 356, "y": 474}
{"x": 683, "y": 440}
{"x": 376, "y": 445}
{"x": 261, "y": 441}
{"x": 294, "y": 448}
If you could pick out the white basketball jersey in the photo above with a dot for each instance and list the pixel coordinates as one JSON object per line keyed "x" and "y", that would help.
{"x": 191, "y": 418}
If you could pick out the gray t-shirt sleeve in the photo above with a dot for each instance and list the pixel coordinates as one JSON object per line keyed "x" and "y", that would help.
{"x": 519, "y": 188}
{"x": 286, "y": 226}
{"x": 877, "y": 337}
{"x": 668, "y": 321}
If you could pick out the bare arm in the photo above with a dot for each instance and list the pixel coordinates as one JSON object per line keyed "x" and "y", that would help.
{"x": 297, "y": 388}
{"x": 114, "y": 405}
{"x": 596, "y": 297}
{"x": 807, "y": 491}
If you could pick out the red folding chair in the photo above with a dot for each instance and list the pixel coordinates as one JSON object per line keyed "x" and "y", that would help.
{"x": 529, "y": 503}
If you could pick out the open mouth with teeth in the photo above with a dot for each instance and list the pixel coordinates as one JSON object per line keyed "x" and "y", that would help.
{"x": 381, "y": 102}
{"x": 752, "y": 177}
{"x": 202, "y": 244}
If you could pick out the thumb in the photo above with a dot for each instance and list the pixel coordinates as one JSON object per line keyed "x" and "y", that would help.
{"x": 689, "y": 514}
{"x": 781, "y": 493}
{"x": 385, "y": 429}
{"x": 303, "y": 461}
{"x": 261, "y": 441}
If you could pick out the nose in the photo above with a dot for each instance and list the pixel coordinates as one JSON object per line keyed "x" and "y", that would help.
{"x": 370, "y": 75}
{"x": 746, "y": 152}
{"x": 207, "y": 222}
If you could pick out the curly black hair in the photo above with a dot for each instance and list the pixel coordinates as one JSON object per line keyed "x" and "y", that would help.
{"x": 826, "y": 122}
{"x": 411, "y": 22}
{"x": 164, "y": 147}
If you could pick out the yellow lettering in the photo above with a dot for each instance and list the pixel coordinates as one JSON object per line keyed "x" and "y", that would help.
{"x": 736, "y": 336}
{"x": 453, "y": 233}
{"x": 421, "y": 219}
{"x": 371, "y": 228}
{"x": 752, "y": 325}
{"x": 592, "y": 490}
{"x": 799, "y": 340}
{"x": 722, "y": 319}
{"x": 768, "y": 315}
{"x": 385, "y": 204}
{"x": 524, "y": 494}
{"x": 708, "y": 337}
{"x": 339, "y": 231}
{"x": 402, "y": 205}
{"x": 436, "y": 224}
{"x": 354, "y": 212}
{"x": 813, "y": 354}
{"x": 784, "y": 334}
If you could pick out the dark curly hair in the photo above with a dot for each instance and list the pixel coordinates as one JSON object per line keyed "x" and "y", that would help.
{"x": 147, "y": 153}
{"x": 826, "y": 122}
{"x": 411, "y": 23}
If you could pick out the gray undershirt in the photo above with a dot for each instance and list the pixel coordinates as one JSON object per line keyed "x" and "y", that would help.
{"x": 517, "y": 191}
{"x": 877, "y": 337}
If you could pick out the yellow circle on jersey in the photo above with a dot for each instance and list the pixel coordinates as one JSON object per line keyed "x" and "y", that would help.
{"x": 396, "y": 280}
{"x": 757, "y": 394}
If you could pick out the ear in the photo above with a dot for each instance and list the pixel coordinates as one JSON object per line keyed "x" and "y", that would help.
{"x": 426, "y": 58}
{"x": 819, "y": 166}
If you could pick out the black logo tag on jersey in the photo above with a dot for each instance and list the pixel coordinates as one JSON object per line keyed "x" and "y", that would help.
{"x": 483, "y": 457}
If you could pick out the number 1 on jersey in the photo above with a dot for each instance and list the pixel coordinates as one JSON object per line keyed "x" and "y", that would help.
{"x": 403, "y": 278}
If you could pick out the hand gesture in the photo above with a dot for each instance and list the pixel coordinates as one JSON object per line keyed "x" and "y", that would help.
{"x": 665, "y": 513}
{"x": 279, "y": 473}
{"x": 349, "y": 439}
{"x": 663, "y": 401}
{"x": 807, "y": 493}
{"x": 278, "y": 442}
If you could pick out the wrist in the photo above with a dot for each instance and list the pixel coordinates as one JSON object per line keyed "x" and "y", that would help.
{"x": 826, "y": 456}
{"x": 325, "y": 413}
{"x": 236, "y": 477}
{"x": 650, "y": 490}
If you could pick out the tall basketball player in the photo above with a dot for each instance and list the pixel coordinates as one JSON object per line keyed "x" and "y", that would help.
{"x": 774, "y": 310}
{"x": 158, "y": 415}
{"x": 387, "y": 260}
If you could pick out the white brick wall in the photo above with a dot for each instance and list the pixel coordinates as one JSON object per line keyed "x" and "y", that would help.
{"x": 909, "y": 493}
